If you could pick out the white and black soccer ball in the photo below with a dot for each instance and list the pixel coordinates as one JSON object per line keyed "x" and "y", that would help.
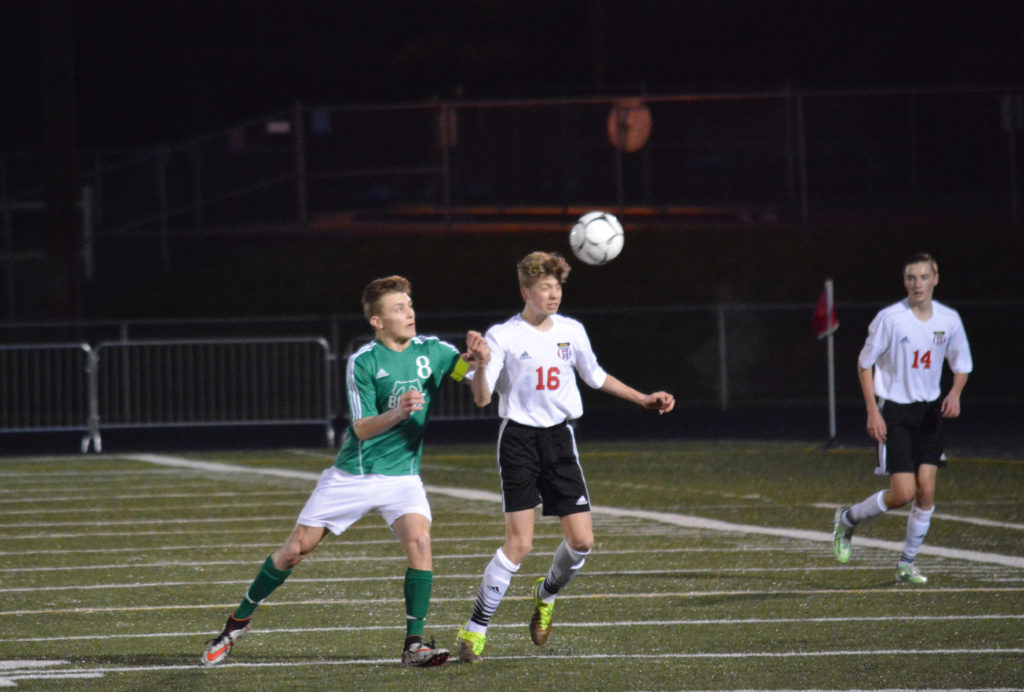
{"x": 597, "y": 238}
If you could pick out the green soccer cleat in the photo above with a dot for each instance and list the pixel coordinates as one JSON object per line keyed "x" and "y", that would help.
{"x": 841, "y": 535}
{"x": 540, "y": 623}
{"x": 471, "y": 645}
{"x": 908, "y": 573}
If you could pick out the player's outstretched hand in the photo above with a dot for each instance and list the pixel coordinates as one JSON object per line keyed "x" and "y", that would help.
{"x": 662, "y": 402}
{"x": 478, "y": 353}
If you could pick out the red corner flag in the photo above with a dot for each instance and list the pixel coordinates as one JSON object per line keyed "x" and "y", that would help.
{"x": 825, "y": 321}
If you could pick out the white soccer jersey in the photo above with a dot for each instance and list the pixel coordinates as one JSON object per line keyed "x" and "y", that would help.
{"x": 908, "y": 353}
{"x": 532, "y": 370}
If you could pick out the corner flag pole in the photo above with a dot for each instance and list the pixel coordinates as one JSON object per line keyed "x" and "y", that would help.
{"x": 831, "y": 364}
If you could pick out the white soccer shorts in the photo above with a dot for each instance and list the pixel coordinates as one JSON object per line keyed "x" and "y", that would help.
{"x": 341, "y": 499}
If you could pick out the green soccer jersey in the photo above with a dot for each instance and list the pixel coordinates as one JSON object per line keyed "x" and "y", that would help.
{"x": 375, "y": 378}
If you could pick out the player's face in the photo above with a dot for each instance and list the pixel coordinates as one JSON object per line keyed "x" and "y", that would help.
{"x": 544, "y": 296}
{"x": 395, "y": 318}
{"x": 920, "y": 280}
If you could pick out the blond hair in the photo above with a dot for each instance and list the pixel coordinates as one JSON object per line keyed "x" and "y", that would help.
{"x": 378, "y": 288}
{"x": 537, "y": 265}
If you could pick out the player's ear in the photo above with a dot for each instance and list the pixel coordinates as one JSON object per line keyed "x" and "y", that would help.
{"x": 376, "y": 322}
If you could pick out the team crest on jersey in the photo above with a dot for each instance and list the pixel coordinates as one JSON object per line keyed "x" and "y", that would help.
{"x": 401, "y": 388}
{"x": 938, "y": 338}
{"x": 564, "y": 350}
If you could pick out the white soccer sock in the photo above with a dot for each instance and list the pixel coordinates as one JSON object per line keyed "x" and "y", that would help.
{"x": 497, "y": 577}
{"x": 565, "y": 565}
{"x": 917, "y": 528}
{"x": 865, "y": 509}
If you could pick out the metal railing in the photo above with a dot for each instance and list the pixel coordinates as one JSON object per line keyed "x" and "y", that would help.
{"x": 169, "y": 383}
{"x": 721, "y": 357}
{"x": 147, "y": 384}
{"x": 48, "y": 388}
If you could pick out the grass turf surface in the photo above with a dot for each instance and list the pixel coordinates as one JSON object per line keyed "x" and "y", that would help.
{"x": 712, "y": 570}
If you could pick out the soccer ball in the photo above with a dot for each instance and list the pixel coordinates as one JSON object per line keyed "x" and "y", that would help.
{"x": 596, "y": 238}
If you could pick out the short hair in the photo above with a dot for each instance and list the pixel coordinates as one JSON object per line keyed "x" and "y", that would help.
{"x": 378, "y": 288}
{"x": 537, "y": 265}
{"x": 919, "y": 257}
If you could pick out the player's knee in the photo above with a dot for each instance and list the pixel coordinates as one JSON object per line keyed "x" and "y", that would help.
{"x": 897, "y": 497}
{"x": 517, "y": 549}
{"x": 419, "y": 544}
{"x": 581, "y": 545}
{"x": 290, "y": 554}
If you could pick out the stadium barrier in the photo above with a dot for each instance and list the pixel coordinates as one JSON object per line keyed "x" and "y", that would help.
{"x": 728, "y": 357}
{"x": 223, "y": 382}
{"x": 49, "y": 388}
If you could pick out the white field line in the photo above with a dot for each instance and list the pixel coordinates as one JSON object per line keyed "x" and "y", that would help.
{"x": 536, "y": 659}
{"x": 485, "y": 496}
{"x": 561, "y": 624}
{"x": 147, "y": 522}
{"x": 474, "y": 576}
{"x": 319, "y": 558}
{"x": 361, "y": 602}
{"x": 148, "y": 497}
{"x": 327, "y": 457}
{"x": 344, "y": 543}
{"x": 664, "y": 517}
{"x": 978, "y": 521}
{"x": 60, "y": 478}
{"x": 165, "y": 508}
{"x": 201, "y": 532}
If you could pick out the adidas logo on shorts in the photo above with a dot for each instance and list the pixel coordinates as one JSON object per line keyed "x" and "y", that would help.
{"x": 582, "y": 500}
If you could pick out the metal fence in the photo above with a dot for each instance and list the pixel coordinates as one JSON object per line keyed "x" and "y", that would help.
{"x": 214, "y": 383}
{"x": 161, "y": 384}
{"x": 48, "y": 388}
{"x": 722, "y": 357}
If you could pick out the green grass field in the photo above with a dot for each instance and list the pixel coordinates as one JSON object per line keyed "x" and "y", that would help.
{"x": 713, "y": 569}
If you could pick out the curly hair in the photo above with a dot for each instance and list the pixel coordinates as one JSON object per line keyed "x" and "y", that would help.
{"x": 378, "y": 288}
{"x": 537, "y": 265}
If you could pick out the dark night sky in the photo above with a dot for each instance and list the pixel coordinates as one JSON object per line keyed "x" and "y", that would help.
{"x": 150, "y": 71}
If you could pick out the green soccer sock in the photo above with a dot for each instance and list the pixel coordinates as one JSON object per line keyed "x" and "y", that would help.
{"x": 418, "y": 584}
{"x": 268, "y": 579}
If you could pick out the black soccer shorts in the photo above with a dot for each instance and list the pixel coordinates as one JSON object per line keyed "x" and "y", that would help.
{"x": 541, "y": 465}
{"x": 913, "y": 436}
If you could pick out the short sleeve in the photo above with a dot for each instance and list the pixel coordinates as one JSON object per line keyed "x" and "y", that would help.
{"x": 362, "y": 396}
{"x": 586, "y": 361}
{"x": 958, "y": 354}
{"x": 497, "y": 361}
{"x": 447, "y": 358}
{"x": 877, "y": 342}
